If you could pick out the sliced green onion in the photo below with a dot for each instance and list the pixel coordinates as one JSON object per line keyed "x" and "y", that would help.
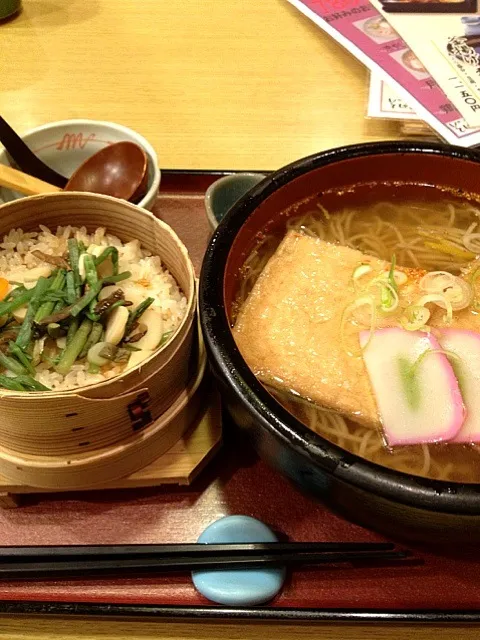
{"x": 360, "y": 302}
{"x": 421, "y": 357}
{"x": 415, "y": 318}
{"x": 361, "y": 271}
{"x": 400, "y": 277}
{"x": 94, "y": 357}
{"x": 436, "y": 281}
{"x": 440, "y": 300}
{"x": 55, "y": 330}
{"x": 113, "y": 353}
{"x": 460, "y": 294}
{"x": 388, "y": 295}
{"x": 391, "y": 275}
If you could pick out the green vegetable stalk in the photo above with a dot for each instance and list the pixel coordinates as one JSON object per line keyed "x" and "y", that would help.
{"x": 93, "y": 338}
{"x": 71, "y": 291}
{"x": 11, "y": 383}
{"x": 46, "y": 308}
{"x": 111, "y": 252}
{"x": 73, "y": 258}
{"x": 135, "y": 315}
{"x": 16, "y": 302}
{"x": 11, "y": 364}
{"x": 21, "y": 357}
{"x": 73, "y": 350}
{"x": 25, "y": 333}
{"x": 85, "y": 300}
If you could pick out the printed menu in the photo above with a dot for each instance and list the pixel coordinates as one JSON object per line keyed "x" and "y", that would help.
{"x": 447, "y": 42}
{"x": 362, "y": 29}
{"x": 384, "y": 102}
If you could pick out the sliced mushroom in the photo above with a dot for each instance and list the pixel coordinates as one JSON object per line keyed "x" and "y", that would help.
{"x": 81, "y": 267}
{"x": 136, "y": 333}
{"x": 132, "y": 294}
{"x": 154, "y": 323}
{"x": 20, "y": 313}
{"x": 57, "y": 261}
{"x": 104, "y": 305}
{"x": 116, "y": 323}
{"x": 94, "y": 250}
{"x": 94, "y": 356}
{"x": 32, "y": 275}
{"x": 137, "y": 357}
{"x": 61, "y": 342}
{"x": 108, "y": 290}
{"x": 106, "y": 267}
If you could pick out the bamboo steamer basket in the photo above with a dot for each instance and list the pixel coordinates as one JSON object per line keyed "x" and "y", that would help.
{"x": 101, "y": 415}
{"x": 94, "y": 469}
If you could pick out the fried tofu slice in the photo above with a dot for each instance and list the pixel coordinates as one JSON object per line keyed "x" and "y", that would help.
{"x": 289, "y": 328}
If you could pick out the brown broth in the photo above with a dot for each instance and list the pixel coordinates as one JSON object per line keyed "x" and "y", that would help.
{"x": 410, "y": 230}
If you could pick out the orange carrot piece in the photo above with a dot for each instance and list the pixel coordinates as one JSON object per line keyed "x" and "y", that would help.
{"x": 4, "y": 286}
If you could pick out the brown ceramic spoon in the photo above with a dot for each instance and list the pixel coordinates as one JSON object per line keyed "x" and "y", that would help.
{"x": 119, "y": 170}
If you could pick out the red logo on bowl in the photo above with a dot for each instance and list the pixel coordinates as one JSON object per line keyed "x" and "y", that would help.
{"x": 74, "y": 141}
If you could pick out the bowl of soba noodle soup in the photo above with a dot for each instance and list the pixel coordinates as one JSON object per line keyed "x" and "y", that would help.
{"x": 340, "y": 303}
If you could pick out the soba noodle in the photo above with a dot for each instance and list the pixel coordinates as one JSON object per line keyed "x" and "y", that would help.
{"x": 443, "y": 236}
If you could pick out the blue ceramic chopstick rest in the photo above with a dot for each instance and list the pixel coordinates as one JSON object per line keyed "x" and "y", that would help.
{"x": 238, "y": 587}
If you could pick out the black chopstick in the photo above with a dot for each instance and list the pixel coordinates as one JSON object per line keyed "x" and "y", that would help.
{"x": 55, "y": 568}
{"x": 25, "y": 159}
{"x": 176, "y": 550}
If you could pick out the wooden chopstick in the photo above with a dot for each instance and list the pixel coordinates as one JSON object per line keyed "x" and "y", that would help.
{"x": 27, "y": 569}
{"x": 196, "y": 550}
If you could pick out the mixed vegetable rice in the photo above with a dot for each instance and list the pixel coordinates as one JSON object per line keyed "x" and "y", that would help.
{"x": 78, "y": 309}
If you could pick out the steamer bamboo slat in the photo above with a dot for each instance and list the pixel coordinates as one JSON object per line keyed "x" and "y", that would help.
{"x": 90, "y": 470}
{"x": 180, "y": 465}
{"x": 101, "y": 416}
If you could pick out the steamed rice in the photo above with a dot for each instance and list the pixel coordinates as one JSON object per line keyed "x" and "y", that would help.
{"x": 17, "y": 262}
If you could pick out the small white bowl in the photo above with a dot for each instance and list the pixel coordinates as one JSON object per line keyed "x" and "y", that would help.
{"x": 65, "y": 144}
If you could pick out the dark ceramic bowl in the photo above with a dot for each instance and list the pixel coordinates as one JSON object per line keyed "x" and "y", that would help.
{"x": 393, "y": 502}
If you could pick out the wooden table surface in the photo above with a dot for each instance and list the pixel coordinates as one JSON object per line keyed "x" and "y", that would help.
{"x": 245, "y": 84}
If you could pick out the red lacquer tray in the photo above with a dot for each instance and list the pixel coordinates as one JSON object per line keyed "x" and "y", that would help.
{"x": 445, "y": 587}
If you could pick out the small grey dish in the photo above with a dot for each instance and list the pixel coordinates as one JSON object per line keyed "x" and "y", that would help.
{"x": 225, "y": 192}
